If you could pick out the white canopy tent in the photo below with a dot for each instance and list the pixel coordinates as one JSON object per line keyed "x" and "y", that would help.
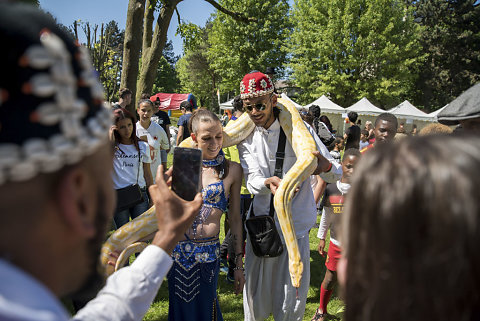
{"x": 327, "y": 106}
{"x": 284, "y": 96}
{"x": 434, "y": 114}
{"x": 227, "y": 105}
{"x": 409, "y": 112}
{"x": 331, "y": 110}
{"x": 365, "y": 107}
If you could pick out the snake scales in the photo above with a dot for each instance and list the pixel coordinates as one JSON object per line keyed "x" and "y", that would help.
{"x": 125, "y": 239}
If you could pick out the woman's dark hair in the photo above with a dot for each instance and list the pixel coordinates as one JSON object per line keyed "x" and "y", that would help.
{"x": 145, "y": 101}
{"x": 411, "y": 231}
{"x": 336, "y": 141}
{"x": 122, "y": 113}
{"x": 145, "y": 96}
{"x": 324, "y": 119}
{"x": 124, "y": 92}
{"x": 315, "y": 111}
{"x": 203, "y": 115}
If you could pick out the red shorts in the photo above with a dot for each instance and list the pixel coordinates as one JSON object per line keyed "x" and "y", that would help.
{"x": 333, "y": 256}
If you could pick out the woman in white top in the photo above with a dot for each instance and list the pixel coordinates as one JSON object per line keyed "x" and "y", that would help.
{"x": 131, "y": 163}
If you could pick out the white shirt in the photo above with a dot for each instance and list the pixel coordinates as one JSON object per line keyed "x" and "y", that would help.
{"x": 126, "y": 166}
{"x": 126, "y": 296}
{"x": 257, "y": 157}
{"x": 157, "y": 140}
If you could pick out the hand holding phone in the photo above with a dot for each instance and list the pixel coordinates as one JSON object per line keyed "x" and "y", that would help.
{"x": 187, "y": 167}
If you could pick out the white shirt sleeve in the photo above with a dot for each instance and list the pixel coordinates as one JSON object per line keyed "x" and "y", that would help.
{"x": 163, "y": 139}
{"x": 335, "y": 172}
{"x": 325, "y": 222}
{"x": 130, "y": 291}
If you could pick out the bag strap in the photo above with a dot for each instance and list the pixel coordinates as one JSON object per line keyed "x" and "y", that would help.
{"x": 279, "y": 157}
{"x": 139, "y": 163}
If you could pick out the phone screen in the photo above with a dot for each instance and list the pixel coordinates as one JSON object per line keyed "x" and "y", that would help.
{"x": 187, "y": 167}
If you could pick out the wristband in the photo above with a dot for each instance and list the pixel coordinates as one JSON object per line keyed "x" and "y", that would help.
{"x": 329, "y": 168}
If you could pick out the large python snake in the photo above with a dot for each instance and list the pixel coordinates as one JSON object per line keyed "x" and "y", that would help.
{"x": 125, "y": 239}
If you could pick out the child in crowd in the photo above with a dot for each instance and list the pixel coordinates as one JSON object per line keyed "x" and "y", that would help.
{"x": 155, "y": 135}
{"x": 332, "y": 209}
{"x": 338, "y": 145}
{"x": 131, "y": 163}
{"x": 364, "y": 139}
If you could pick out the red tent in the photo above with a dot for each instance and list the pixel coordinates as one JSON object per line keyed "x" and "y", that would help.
{"x": 169, "y": 101}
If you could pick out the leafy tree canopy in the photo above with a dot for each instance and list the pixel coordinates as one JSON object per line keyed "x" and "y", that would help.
{"x": 348, "y": 49}
{"x": 451, "y": 40}
{"x": 237, "y": 48}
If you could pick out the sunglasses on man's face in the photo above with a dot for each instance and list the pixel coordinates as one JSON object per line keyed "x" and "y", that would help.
{"x": 257, "y": 106}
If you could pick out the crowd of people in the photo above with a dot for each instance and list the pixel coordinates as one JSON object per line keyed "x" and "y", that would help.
{"x": 403, "y": 216}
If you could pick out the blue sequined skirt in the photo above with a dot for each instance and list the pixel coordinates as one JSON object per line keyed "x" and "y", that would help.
{"x": 193, "y": 279}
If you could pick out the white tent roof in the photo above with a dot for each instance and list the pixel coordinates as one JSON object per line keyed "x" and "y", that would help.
{"x": 407, "y": 110}
{"x": 326, "y": 105}
{"x": 284, "y": 96}
{"x": 365, "y": 107}
{"x": 436, "y": 112}
{"x": 227, "y": 104}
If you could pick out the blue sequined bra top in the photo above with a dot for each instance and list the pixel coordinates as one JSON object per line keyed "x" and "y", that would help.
{"x": 214, "y": 196}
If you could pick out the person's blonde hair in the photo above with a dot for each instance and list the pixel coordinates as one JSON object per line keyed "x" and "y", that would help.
{"x": 435, "y": 128}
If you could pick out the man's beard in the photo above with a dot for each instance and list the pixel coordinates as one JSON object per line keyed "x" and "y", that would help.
{"x": 95, "y": 280}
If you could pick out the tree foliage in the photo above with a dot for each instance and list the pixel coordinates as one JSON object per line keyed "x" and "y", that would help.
{"x": 195, "y": 71}
{"x": 451, "y": 40}
{"x": 105, "y": 44}
{"x": 348, "y": 49}
{"x": 236, "y": 48}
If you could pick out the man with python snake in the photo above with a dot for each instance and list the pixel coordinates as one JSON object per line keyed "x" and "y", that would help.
{"x": 268, "y": 288}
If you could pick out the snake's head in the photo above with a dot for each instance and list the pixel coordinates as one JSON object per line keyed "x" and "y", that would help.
{"x": 296, "y": 271}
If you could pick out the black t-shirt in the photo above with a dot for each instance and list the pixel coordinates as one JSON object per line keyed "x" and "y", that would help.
{"x": 353, "y": 137}
{"x": 333, "y": 198}
{"x": 163, "y": 119}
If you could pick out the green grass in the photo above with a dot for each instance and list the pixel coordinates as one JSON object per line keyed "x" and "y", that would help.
{"x": 232, "y": 305}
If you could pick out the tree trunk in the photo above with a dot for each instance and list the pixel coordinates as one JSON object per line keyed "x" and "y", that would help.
{"x": 131, "y": 47}
{"x": 148, "y": 25}
{"x": 151, "y": 57}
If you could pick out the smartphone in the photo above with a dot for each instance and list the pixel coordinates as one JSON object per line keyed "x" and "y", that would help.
{"x": 187, "y": 170}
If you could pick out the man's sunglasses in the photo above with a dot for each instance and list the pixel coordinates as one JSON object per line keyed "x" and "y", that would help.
{"x": 257, "y": 106}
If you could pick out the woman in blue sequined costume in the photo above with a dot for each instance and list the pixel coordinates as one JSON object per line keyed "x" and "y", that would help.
{"x": 192, "y": 280}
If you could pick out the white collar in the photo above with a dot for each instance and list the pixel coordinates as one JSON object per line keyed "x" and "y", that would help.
{"x": 343, "y": 187}
{"x": 274, "y": 127}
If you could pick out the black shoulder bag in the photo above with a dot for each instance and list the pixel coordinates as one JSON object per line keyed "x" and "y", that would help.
{"x": 131, "y": 195}
{"x": 262, "y": 231}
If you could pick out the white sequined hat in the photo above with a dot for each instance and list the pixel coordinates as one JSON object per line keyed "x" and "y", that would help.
{"x": 51, "y": 102}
